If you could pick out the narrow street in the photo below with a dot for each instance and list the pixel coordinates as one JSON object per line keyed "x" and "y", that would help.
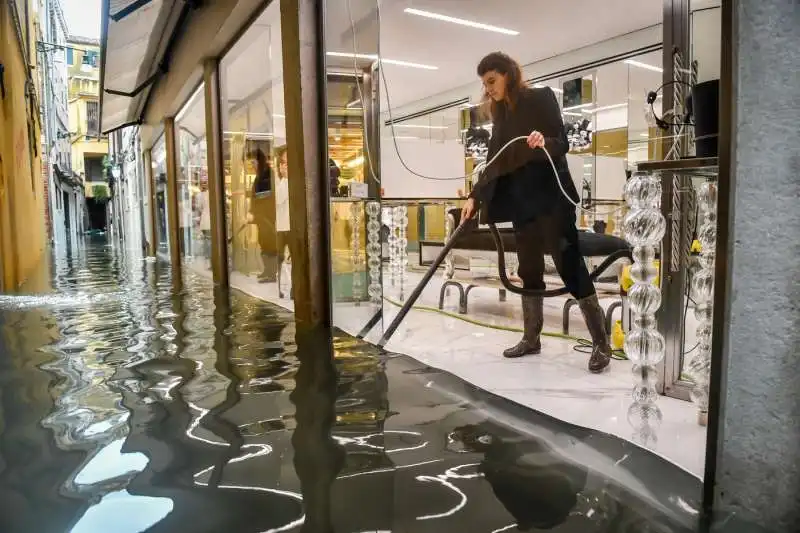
{"x": 131, "y": 405}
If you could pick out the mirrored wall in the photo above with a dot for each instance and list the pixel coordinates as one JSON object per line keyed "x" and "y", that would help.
{"x": 256, "y": 171}
{"x": 194, "y": 213}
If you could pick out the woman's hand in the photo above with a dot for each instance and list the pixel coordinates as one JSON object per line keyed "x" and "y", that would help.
{"x": 468, "y": 211}
{"x": 535, "y": 140}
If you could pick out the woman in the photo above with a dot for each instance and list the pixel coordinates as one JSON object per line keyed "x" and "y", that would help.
{"x": 259, "y": 214}
{"x": 520, "y": 188}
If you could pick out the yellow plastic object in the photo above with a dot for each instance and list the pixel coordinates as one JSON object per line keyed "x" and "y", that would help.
{"x": 696, "y": 247}
{"x": 626, "y": 282}
{"x": 617, "y": 336}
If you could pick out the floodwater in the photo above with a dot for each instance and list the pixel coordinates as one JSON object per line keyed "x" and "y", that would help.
{"x": 127, "y": 405}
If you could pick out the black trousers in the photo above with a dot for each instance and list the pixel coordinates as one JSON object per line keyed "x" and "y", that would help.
{"x": 554, "y": 234}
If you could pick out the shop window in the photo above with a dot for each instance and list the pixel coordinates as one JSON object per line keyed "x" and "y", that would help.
{"x": 159, "y": 163}
{"x": 256, "y": 174}
{"x": 93, "y": 119}
{"x": 194, "y": 215}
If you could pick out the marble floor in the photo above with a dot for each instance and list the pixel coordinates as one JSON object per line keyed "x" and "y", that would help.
{"x": 555, "y": 383}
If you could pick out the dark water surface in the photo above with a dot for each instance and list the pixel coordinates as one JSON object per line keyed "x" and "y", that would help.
{"x": 127, "y": 406}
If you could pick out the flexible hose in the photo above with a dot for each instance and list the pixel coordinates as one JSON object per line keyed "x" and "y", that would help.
{"x": 510, "y": 287}
{"x": 450, "y": 244}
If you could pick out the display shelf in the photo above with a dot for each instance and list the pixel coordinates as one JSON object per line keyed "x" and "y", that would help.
{"x": 698, "y": 166}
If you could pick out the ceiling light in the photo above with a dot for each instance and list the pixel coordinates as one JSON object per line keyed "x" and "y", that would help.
{"x": 643, "y": 65}
{"x": 574, "y": 107}
{"x": 420, "y": 126}
{"x": 605, "y": 108}
{"x": 462, "y": 22}
{"x": 383, "y": 60}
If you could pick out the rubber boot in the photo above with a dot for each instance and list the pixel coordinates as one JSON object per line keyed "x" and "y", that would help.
{"x": 596, "y": 322}
{"x": 533, "y": 321}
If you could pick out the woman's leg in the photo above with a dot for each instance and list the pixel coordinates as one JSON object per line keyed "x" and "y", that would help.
{"x": 572, "y": 269}
{"x": 531, "y": 269}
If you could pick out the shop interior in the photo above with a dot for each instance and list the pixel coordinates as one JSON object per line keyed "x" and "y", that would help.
{"x": 400, "y": 122}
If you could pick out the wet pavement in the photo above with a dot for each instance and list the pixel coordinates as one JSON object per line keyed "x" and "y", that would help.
{"x": 130, "y": 405}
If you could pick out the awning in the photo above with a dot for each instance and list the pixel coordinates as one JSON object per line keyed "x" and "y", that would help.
{"x": 136, "y": 38}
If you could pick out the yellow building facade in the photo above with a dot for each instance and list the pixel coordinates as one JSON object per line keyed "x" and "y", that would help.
{"x": 89, "y": 146}
{"x": 23, "y": 237}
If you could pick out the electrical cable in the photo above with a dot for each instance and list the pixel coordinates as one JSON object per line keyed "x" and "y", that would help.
{"x": 479, "y": 168}
{"x": 617, "y": 354}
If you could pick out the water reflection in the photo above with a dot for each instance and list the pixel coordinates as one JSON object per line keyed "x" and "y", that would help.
{"x": 132, "y": 404}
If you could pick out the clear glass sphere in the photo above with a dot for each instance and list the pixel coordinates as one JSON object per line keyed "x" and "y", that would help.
{"x": 643, "y": 190}
{"x": 644, "y": 226}
{"x": 644, "y": 392}
{"x": 646, "y": 321}
{"x": 704, "y": 312}
{"x": 707, "y": 196}
{"x": 707, "y": 259}
{"x": 644, "y": 254}
{"x": 644, "y": 273}
{"x": 644, "y": 299}
{"x": 644, "y": 347}
{"x": 707, "y": 235}
{"x": 373, "y": 248}
{"x": 373, "y": 209}
{"x": 703, "y": 285}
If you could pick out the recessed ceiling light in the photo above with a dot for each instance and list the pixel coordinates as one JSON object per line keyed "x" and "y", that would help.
{"x": 420, "y": 126}
{"x": 605, "y": 108}
{"x": 579, "y": 106}
{"x": 643, "y": 65}
{"x": 462, "y": 22}
{"x": 383, "y": 60}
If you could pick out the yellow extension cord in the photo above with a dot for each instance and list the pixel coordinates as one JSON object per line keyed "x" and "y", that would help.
{"x": 617, "y": 354}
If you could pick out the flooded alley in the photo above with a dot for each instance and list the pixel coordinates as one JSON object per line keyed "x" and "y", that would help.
{"x": 130, "y": 405}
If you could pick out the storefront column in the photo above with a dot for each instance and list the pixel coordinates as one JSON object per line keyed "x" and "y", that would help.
{"x": 150, "y": 191}
{"x": 173, "y": 221}
{"x": 753, "y": 465}
{"x": 306, "y": 135}
{"x": 216, "y": 174}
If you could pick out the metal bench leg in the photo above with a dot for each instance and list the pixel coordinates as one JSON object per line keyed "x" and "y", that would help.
{"x": 465, "y": 298}
{"x": 569, "y": 304}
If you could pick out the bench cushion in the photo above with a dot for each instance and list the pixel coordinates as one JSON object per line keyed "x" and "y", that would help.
{"x": 591, "y": 244}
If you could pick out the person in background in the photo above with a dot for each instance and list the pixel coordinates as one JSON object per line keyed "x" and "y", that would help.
{"x": 282, "y": 225}
{"x": 520, "y": 188}
{"x": 334, "y": 173}
{"x": 204, "y": 206}
{"x": 259, "y": 214}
